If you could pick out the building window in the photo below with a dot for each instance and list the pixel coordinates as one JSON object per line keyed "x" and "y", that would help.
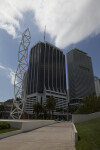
{"x": 84, "y": 68}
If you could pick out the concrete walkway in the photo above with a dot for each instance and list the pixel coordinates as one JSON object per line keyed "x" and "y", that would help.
{"x": 53, "y": 137}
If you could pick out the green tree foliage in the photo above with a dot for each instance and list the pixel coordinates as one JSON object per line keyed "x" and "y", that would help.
{"x": 41, "y": 110}
{"x": 44, "y": 111}
{"x": 4, "y": 125}
{"x": 51, "y": 105}
{"x": 37, "y": 108}
{"x": 90, "y": 104}
{"x": 2, "y": 108}
{"x": 73, "y": 109}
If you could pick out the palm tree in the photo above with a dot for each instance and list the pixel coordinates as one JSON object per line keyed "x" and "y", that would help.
{"x": 37, "y": 108}
{"x": 51, "y": 105}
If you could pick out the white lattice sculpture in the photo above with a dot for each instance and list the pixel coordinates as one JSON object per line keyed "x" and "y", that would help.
{"x": 19, "y": 83}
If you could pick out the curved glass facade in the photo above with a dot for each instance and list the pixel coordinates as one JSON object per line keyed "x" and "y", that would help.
{"x": 80, "y": 74}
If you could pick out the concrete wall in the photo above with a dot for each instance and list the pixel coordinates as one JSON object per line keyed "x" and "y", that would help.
{"x": 15, "y": 124}
{"x": 77, "y": 118}
{"x": 28, "y": 125}
{"x": 35, "y": 124}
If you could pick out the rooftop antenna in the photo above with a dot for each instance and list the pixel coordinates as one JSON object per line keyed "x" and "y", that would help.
{"x": 45, "y": 33}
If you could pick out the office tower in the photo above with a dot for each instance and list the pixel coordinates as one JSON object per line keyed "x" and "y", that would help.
{"x": 46, "y": 76}
{"x": 80, "y": 74}
{"x": 97, "y": 85}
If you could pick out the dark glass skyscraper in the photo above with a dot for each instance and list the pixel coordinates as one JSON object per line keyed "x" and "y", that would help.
{"x": 80, "y": 74}
{"x": 46, "y": 69}
{"x": 46, "y": 75}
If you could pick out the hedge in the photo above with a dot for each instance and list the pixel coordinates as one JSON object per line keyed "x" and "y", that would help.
{"x": 4, "y": 125}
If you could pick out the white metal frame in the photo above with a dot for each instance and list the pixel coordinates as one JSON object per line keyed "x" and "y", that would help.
{"x": 20, "y": 77}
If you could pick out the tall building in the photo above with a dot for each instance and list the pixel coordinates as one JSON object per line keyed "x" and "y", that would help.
{"x": 46, "y": 76}
{"x": 97, "y": 85}
{"x": 80, "y": 74}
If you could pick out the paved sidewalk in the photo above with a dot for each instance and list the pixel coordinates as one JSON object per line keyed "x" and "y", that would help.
{"x": 53, "y": 137}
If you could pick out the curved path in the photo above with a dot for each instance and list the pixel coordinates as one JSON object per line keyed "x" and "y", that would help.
{"x": 53, "y": 137}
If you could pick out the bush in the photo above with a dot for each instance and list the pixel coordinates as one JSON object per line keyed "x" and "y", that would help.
{"x": 31, "y": 116}
{"x": 4, "y": 125}
{"x": 89, "y": 105}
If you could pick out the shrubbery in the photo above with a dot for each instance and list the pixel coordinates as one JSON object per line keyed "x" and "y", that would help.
{"x": 89, "y": 105}
{"x": 4, "y": 125}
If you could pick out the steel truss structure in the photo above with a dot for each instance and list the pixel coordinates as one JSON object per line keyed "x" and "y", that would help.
{"x": 20, "y": 77}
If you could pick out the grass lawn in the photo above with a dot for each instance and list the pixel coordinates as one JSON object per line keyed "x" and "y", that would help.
{"x": 7, "y": 130}
{"x": 89, "y": 135}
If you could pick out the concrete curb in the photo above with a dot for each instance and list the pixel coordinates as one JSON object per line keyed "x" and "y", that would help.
{"x": 74, "y": 133}
{"x": 25, "y": 126}
{"x": 7, "y": 134}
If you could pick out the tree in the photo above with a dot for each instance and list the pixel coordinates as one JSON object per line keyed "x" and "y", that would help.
{"x": 51, "y": 105}
{"x": 72, "y": 109}
{"x": 2, "y": 109}
{"x": 37, "y": 108}
{"x": 89, "y": 104}
{"x": 44, "y": 111}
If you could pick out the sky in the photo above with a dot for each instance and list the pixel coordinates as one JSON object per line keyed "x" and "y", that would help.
{"x": 69, "y": 24}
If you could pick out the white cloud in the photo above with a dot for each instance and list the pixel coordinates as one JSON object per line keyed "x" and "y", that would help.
{"x": 10, "y": 73}
{"x": 67, "y": 21}
{"x": 10, "y": 29}
{"x": 2, "y": 67}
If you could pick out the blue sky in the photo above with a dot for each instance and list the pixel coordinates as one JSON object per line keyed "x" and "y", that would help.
{"x": 77, "y": 25}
